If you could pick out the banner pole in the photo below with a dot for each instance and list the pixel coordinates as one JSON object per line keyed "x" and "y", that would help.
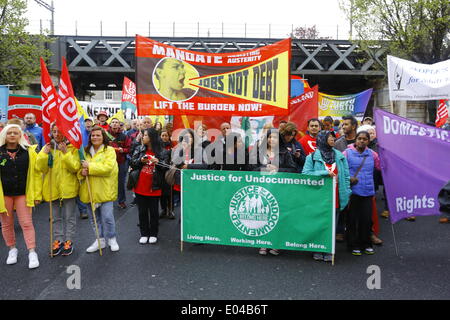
{"x": 181, "y": 211}
{"x": 332, "y": 260}
{"x": 395, "y": 242}
{"x": 51, "y": 211}
{"x": 93, "y": 214}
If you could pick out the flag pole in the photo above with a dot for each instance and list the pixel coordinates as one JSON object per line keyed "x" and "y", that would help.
{"x": 51, "y": 211}
{"x": 51, "y": 159}
{"x": 395, "y": 242}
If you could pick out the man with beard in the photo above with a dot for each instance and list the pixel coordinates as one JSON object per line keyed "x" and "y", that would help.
{"x": 349, "y": 126}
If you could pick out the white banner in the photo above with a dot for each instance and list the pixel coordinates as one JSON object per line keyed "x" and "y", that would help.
{"x": 415, "y": 81}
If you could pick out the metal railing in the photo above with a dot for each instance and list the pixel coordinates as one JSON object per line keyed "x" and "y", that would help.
{"x": 185, "y": 29}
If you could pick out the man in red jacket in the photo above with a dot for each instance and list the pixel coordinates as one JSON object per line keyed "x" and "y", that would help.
{"x": 122, "y": 144}
{"x": 308, "y": 141}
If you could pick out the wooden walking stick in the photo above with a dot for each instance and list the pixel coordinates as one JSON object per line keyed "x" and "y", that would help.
{"x": 83, "y": 158}
{"x": 93, "y": 214}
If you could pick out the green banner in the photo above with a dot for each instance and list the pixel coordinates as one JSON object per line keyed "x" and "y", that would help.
{"x": 252, "y": 209}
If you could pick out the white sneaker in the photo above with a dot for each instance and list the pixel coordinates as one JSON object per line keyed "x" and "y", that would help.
{"x": 152, "y": 240}
{"x": 143, "y": 240}
{"x": 12, "y": 256}
{"x": 94, "y": 247}
{"x": 113, "y": 244}
{"x": 33, "y": 260}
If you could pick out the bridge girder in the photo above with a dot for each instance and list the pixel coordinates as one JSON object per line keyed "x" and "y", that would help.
{"x": 104, "y": 61}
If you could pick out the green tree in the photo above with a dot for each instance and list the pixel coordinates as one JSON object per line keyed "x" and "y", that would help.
{"x": 19, "y": 51}
{"x": 417, "y": 30}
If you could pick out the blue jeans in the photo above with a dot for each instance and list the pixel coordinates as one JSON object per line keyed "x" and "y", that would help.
{"x": 82, "y": 207}
{"x": 123, "y": 170}
{"x": 105, "y": 220}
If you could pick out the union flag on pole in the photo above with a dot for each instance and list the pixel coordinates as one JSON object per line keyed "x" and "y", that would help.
{"x": 49, "y": 99}
{"x": 129, "y": 101}
{"x": 442, "y": 113}
{"x": 67, "y": 115}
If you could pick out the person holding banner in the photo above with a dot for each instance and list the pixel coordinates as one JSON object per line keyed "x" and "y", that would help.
{"x": 327, "y": 161}
{"x": 295, "y": 149}
{"x": 187, "y": 155}
{"x": 271, "y": 158}
{"x": 362, "y": 162}
{"x": 145, "y": 159}
{"x": 61, "y": 189}
{"x": 101, "y": 171}
{"x": 20, "y": 190}
{"x": 235, "y": 156}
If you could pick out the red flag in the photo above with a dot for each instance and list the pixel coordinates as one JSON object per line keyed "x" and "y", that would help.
{"x": 129, "y": 92}
{"x": 67, "y": 115}
{"x": 49, "y": 99}
{"x": 301, "y": 109}
{"x": 442, "y": 113}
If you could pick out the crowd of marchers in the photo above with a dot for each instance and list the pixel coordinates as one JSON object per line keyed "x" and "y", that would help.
{"x": 148, "y": 159}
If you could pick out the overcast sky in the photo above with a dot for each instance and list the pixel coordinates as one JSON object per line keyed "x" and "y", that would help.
{"x": 258, "y": 14}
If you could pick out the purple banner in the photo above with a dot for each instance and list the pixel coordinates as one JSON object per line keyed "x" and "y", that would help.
{"x": 415, "y": 162}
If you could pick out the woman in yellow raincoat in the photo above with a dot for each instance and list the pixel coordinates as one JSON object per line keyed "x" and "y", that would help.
{"x": 20, "y": 189}
{"x": 100, "y": 170}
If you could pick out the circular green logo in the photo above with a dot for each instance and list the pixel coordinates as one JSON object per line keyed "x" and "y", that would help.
{"x": 254, "y": 211}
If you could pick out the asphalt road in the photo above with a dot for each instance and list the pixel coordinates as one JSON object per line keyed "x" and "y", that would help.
{"x": 208, "y": 272}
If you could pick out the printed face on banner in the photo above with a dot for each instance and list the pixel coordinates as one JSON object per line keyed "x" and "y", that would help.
{"x": 170, "y": 79}
{"x": 174, "y": 81}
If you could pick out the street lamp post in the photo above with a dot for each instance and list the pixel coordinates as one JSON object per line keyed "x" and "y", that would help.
{"x": 51, "y": 8}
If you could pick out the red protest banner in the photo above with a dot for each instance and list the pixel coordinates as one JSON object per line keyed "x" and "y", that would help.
{"x": 182, "y": 82}
{"x": 67, "y": 115}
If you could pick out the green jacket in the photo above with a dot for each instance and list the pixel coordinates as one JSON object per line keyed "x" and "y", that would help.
{"x": 315, "y": 166}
